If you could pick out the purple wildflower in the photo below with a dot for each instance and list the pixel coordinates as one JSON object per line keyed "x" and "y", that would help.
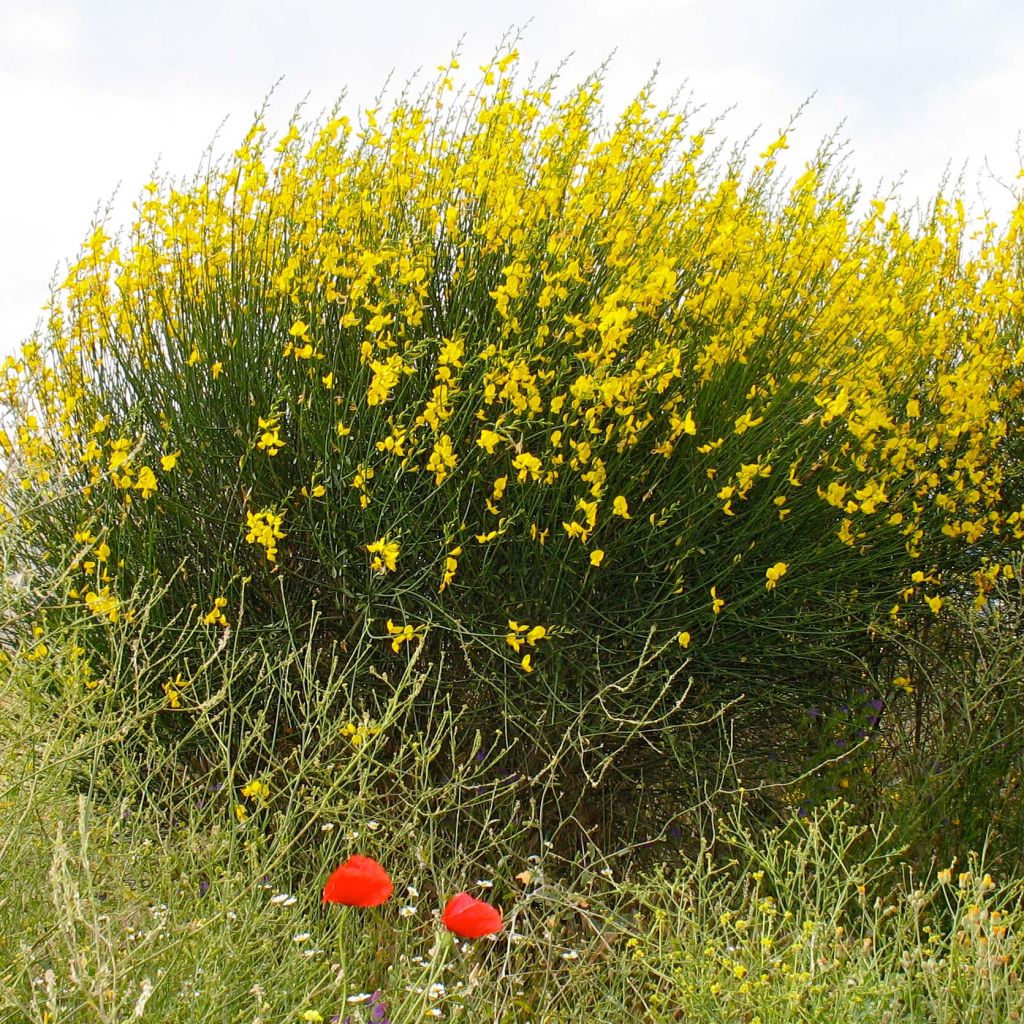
{"x": 378, "y": 1009}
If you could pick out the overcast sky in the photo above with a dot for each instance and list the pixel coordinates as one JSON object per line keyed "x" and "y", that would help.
{"x": 94, "y": 93}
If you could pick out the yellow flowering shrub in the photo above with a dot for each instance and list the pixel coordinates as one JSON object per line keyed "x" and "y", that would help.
{"x": 502, "y": 360}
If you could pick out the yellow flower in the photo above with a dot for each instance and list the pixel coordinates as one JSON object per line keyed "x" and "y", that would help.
{"x": 305, "y": 351}
{"x": 774, "y": 574}
{"x": 934, "y": 602}
{"x": 256, "y": 790}
{"x": 451, "y": 566}
{"x": 746, "y": 422}
{"x": 903, "y": 682}
{"x": 394, "y": 443}
{"x": 717, "y": 604}
{"x": 527, "y": 666}
{"x": 589, "y": 508}
{"x": 215, "y": 616}
{"x": 684, "y": 639}
{"x": 836, "y": 493}
{"x": 400, "y": 635}
{"x": 596, "y": 557}
{"x": 576, "y": 531}
{"x": 146, "y": 481}
{"x": 514, "y": 638}
{"x": 168, "y": 462}
{"x": 487, "y": 440}
{"x": 104, "y": 604}
{"x": 535, "y": 634}
{"x": 442, "y": 458}
{"x": 526, "y": 465}
{"x": 270, "y": 440}
{"x": 357, "y": 734}
{"x": 173, "y": 689}
{"x": 620, "y": 507}
{"x": 265, "y": 529}
{"x": 385, "y": 376}
{"x": 385, "y": 554}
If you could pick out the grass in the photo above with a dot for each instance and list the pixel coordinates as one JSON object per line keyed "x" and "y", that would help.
{"x": 138, "y": 882}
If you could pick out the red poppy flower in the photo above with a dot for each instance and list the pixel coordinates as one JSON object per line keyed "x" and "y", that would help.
{"x": 470, "y": 918}
{"x": 359, "y": 882}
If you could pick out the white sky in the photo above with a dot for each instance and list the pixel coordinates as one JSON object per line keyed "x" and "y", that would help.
{"x": 93, "y": 93}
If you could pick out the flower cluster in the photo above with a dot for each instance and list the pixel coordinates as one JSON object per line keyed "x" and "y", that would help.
{"x": 265, "y": 529}
{"x": 590, "y": 376}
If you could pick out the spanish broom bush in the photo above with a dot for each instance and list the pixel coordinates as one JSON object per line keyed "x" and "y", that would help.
{"x": 553, "y": 394}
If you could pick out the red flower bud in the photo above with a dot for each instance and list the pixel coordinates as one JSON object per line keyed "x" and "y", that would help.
{"x": 359, "y": 882}
{"x": 470, "y": 918}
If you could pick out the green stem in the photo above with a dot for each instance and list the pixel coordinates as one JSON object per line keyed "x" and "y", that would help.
{"x": 435, "y": 970}
{"x": 342, "y": 958}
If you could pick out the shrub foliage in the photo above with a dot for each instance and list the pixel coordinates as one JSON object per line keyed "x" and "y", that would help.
{"x": 561, "y": 395}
